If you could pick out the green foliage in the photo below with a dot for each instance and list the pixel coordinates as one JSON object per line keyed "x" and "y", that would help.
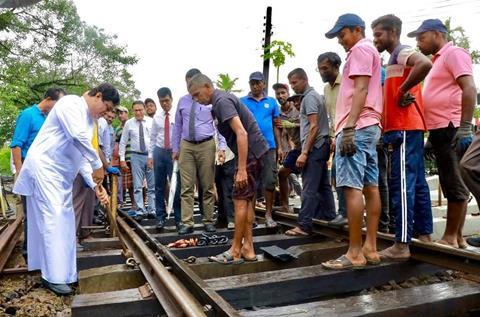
{"x": 224, "y": 82}
{"x": 5, "y": 161}
{"x": 277, "y": 51}
{"x": 458, "y": 37}
{"x": 48, "y": 45}
{"x": 476, "y": 113}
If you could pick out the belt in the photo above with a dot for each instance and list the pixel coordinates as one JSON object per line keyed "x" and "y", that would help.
{"x": 139, "y": 153}
{"x": 201, "y": 141}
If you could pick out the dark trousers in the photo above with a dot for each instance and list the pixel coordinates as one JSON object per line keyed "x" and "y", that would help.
{"x": 409, "y": 192}
{"x": 224, "y": 177}
{"x": 387, "y": 217}
{"x": 163, "y": 167}
{"x": 470, "y": 167}
{"x": 317, "y": 196}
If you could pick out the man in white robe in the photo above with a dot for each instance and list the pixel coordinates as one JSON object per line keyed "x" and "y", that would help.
{"x": 61, "y": 150}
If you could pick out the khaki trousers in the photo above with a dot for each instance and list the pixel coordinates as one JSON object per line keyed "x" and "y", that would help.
{"x": 197, "y": 161}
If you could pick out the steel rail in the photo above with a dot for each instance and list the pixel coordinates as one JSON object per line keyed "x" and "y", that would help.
{"x": 172, "y": 295}
{"x": 436, "y": 254}
{"x": 210, "y": 298}
{"x": 8, "y": 239}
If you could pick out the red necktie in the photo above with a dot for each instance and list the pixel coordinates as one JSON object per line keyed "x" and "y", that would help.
{"x": 166, "y": 130}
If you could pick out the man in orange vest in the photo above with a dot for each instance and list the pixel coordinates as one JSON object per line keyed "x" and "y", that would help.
{"x": 404, "y": 126}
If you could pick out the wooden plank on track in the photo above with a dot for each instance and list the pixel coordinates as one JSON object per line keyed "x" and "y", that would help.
{"x": 294, "y": 285}
{"x": 119, "y": 303}
{"x": 454, "y": 298}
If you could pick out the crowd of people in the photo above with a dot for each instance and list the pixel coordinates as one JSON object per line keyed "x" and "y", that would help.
{"x": 371, "y": 121}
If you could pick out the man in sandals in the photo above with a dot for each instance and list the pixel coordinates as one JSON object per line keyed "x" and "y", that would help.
{"x": 357, "y": 120}
{"x": 237, "y": 124}
{"x": 317, "y": 196}
{"x": 403, "y": 126}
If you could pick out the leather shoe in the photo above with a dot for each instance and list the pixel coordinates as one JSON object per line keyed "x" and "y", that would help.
{"x": 185, "y": 230}
{"x": 160, "y": 224}
{"x": 338, "y": 221}
{"x": 59, "y": 289}
{"x": 209, "y": 227}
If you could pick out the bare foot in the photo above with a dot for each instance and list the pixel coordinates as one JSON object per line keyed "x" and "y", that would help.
{"x": 248, "y": 254}
{"x": 395, "y": 253}
{"x": 371, "y": 255}
{"x": 462, "y": 243}
{"x": 448, "y": 244}
{"x": 425, "y": 238}
{"x": 358, "y": 260}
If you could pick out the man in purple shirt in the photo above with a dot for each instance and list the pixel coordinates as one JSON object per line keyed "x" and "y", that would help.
{"x": 194, "y": 148}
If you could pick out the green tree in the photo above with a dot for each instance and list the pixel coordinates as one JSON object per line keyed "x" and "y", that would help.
{"x": 459, "y": 38}
{"x": 277, "y": 51}
{"x": 47, "y": 45}
{"x": 226, "y": 83}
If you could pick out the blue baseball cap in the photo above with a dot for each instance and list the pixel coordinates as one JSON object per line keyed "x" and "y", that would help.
{"x": 429, "y": 25}
{"x": 256, "y": 76}
{"x": 343, "y": 21}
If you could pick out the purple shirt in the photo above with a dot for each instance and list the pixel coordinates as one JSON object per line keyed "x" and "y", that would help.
{"x": 204, "y": 124}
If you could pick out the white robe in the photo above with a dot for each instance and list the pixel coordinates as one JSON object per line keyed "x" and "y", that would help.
{"x": 61, "y": 150}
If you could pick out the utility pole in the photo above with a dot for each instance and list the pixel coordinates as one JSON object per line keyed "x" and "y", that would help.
{"x": 267, "y": 34}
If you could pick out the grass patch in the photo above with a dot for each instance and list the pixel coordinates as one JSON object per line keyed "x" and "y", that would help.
{"x": 5, "y": 161}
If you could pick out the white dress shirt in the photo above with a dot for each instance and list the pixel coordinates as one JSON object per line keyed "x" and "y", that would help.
{"x": 131, "y": 133}
{"x": 157, "y": 135}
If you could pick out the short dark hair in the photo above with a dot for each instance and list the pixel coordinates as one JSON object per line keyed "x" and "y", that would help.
{"x": 352, "y": 28}
{"x": 109, "y": 93}
{"x": 389, "y": 22}
{"x": 192, "y": 72}
{"x": 138, "y": 102}
{"x": 149, "y": 100}
{"x": 163, "y": 92}
{"x": 331, "y": 57}
{"x": 300, "y": 72}
{"x": 54, "y": 93}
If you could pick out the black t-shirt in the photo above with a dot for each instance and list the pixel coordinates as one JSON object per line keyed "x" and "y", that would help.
{"x": 225, "y": 106}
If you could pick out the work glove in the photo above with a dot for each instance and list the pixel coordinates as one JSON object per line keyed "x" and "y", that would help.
{"x": 428, "y": 152}
{"x": 113, "y": 170}
{"x": 463, "y": 138}
{"x": 347, "y": 146}
{"x": 405, "y": 98}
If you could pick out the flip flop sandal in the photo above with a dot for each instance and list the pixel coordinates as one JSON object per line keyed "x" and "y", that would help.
{"x": 295, "y": 233}
{"x": 373, "y": 261}
{"x": 225, "y": 258}
{"x": 254, "y": 259}
{"x": 342, "y": 263}
{"x": 388, "y": 257}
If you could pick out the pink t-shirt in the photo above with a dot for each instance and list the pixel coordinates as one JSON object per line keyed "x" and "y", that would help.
{"x": 362, "y": 60}
{"x": 442, "y": 97}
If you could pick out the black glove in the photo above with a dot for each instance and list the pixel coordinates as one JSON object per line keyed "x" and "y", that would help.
{"x": 347, "y": 146}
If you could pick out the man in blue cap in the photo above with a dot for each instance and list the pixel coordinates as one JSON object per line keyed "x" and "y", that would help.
{"x": 449, "y": 97}
{"x": 265, "y": 110}
{"x": 357, "y": 130}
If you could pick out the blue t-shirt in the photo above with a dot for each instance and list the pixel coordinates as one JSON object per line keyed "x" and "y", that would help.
{"x": 264, "y": 112}
{"x": 28, "y": 124}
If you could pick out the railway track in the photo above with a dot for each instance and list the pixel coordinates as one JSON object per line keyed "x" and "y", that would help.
{"x": 138, "y": 275}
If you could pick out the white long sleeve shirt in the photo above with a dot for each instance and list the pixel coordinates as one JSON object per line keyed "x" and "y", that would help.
{"x": 131, "y": 133}
{"x": 157, "y": 135}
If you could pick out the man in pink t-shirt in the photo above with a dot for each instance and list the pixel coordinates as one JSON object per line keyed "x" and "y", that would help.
{"x": 449, "y": 99}
{"x": 358, "y": 113}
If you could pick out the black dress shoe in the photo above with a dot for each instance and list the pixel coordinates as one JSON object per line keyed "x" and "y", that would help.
{"x": 185, "y": 230}
{"x": 474, "y": 241}
{"x": 338, "y": 221}
{"x": 210, "y": 227}
{"x": 160, "y": 224}
{"x": 59, "y": 289}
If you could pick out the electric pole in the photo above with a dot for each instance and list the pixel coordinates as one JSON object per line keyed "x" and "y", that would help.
{"x": 267, "y": 34}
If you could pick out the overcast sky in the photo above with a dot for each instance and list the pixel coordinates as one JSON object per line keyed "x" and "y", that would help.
{"x": 223, "y": 36}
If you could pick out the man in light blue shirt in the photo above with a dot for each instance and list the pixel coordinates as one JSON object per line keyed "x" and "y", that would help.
{"x": 28, "y": 124}
{"x": 265, "y": 110}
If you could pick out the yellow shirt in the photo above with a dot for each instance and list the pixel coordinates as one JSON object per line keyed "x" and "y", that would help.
{"x": 331, "y": 94}
{"x": 95, "y": 136}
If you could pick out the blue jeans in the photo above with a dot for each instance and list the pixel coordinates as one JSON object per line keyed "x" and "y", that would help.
{"x": 163, "y": 167}
{"x": 342, "y": 209}
{"x": 317, "y": 196}
{"x": 361, "y": 169}
{"x": 140, "y": 171}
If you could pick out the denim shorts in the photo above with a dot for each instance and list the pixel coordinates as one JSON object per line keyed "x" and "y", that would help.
{"x": 361, "y": 169}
